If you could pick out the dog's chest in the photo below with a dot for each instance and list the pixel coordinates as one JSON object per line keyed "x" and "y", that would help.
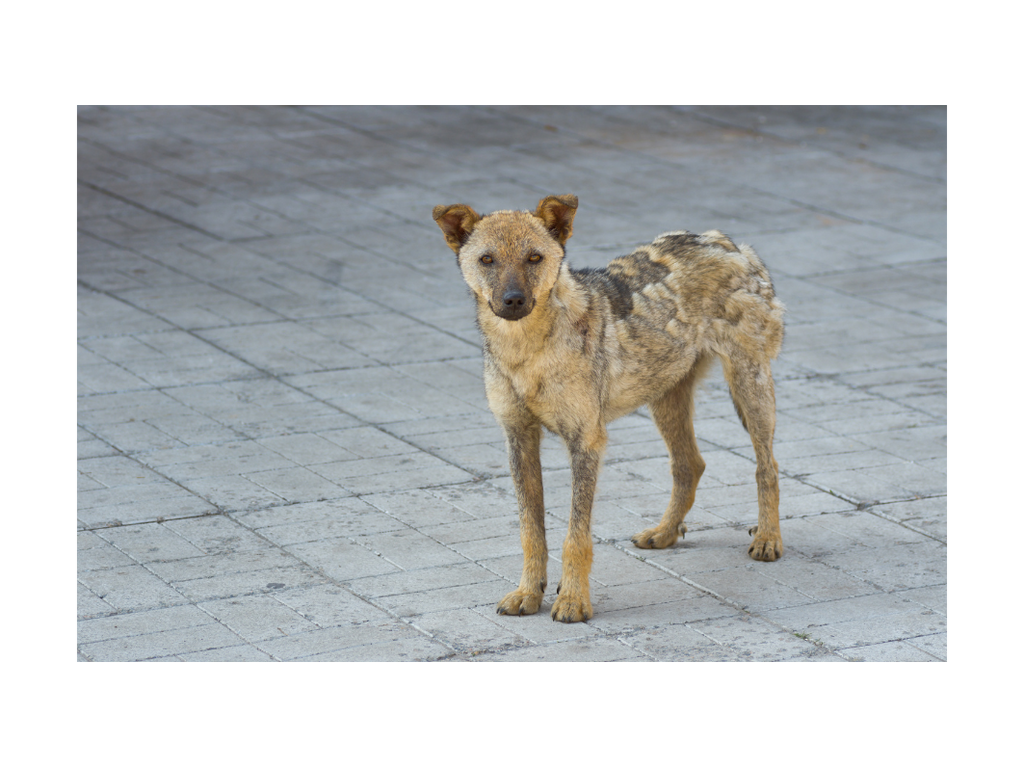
{"x": 552, "y": 382}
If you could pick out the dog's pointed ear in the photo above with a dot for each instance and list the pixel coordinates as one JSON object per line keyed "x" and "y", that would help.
{"x": 456, "y": 221}
{"x": 557, "y": 211}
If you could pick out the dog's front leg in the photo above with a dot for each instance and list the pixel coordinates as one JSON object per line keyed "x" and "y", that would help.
{"x": 573, "y": 601}
{"x": 523, "y": 442}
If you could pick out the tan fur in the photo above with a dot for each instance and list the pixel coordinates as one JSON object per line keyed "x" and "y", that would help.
{"x": 573, "y": 350}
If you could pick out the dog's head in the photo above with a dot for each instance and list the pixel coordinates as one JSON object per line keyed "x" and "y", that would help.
{"x": 510, "y": 259}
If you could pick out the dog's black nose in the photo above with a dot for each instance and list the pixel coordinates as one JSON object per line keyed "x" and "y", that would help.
{"x": 514, "y": 299}
{"x": 514, "y": 305}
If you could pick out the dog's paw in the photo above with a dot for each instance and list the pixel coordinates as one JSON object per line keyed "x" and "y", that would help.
{"x": 767, "y": 546}
{"x": 658, "y": 538}
{"x": 519, "y": 603}
{"x": 568, "y": 609}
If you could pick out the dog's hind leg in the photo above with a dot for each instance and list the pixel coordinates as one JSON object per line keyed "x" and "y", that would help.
{"x": 753, "y": 393}
{"x": 524, "y": 459}
{"x": 673, "y": 415}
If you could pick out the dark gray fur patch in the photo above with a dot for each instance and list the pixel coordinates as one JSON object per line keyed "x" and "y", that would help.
{"x": 679, "y": 240}
{"x": 601, "y": 282}
{"x": 681, "y": 247}
{"x": 621, "y": 279}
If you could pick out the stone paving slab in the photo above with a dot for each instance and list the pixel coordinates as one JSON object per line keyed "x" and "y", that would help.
{"x": 285, "y": 452}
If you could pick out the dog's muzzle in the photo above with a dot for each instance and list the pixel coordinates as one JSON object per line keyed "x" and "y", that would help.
{"x": 514, "y": 306}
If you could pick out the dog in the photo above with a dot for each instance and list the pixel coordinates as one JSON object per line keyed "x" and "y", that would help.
{"x": 571, "y": 350}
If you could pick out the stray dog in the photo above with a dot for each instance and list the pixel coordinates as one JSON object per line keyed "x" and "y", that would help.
{"x": 571, "y": 350}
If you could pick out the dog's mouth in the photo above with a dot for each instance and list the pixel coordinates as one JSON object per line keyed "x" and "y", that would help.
{"x": 514, "y": 310}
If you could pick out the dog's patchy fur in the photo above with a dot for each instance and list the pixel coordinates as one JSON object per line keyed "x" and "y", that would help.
{"x": 572, "y": 350}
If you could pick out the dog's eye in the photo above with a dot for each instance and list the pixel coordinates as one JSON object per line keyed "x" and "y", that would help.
{"x": 487, "y": 259}
{"x": 535, "y": 257}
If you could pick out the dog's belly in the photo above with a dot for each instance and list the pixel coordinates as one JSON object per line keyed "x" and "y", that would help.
{"x": 647, "y": 366}
{"x": 643, "y": 382}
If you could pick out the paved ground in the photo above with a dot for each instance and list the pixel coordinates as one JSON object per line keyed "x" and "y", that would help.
{"x": 284, "y": 448}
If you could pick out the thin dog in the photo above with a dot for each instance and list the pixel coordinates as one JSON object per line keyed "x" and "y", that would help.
{"x": 571, "y": 350}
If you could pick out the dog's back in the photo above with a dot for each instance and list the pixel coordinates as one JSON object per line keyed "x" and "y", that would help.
{"x": 687, "y": 284}
{"x": 675, "y": 302}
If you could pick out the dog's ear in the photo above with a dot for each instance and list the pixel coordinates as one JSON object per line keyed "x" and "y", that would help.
{"x": 557, "y": 211}
{"x": 456, "y": 221}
